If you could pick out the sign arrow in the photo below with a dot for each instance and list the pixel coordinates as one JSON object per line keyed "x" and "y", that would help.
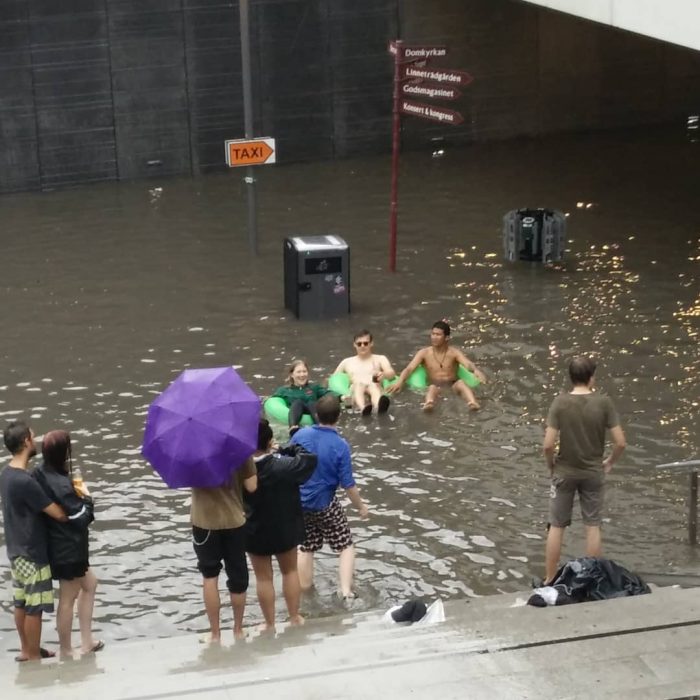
{"x": 241, "y": 152}
{"x": 418, "y": 53}
{"x": 436, "y": 75}
{"x": 434, "y": 91}
{"x": 436, "y": 114}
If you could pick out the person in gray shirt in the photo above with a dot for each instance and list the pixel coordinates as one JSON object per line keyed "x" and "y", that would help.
{"x": 23, "y": 502}
{"x": 579, "y": 421}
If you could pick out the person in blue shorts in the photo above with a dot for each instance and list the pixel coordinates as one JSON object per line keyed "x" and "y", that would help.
{"x": 324, "y": 518}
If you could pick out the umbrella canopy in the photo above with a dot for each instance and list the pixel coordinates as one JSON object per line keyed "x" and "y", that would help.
{"x": 202, "y": 428}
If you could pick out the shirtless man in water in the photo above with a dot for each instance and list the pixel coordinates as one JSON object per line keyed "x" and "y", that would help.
{"x": 366, "y": 371}
{"x": 441, "y": 364}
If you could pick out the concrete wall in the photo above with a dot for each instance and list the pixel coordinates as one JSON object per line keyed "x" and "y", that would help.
{"x": 94, "y": 90}
{"x": 538, "y": 71}
{"x": 676, "y": 21}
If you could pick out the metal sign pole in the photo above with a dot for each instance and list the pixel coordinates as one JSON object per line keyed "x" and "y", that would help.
{"x": 396, "y": 145}
{"x": 692, "y": 466}
{"x": 249, "y": 179}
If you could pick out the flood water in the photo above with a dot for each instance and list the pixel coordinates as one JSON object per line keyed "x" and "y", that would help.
{"x": 110, "y": 291}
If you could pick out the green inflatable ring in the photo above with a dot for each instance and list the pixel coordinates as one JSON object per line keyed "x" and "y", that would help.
{"x": 418, "y": 379}
{"x": 277, "y": 411}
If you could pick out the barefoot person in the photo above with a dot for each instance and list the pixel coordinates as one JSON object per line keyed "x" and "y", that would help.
{"x": 441, "y": 362}
{"x": 68, "y": 543}
{"x": 23, "y": 502}
{"x": 367, "y": 371}
{"x": 218, "y": 534}
{"x": 275, "y": 524}
{"x": 324, "y": 517}
{"x": 578, "y": 421}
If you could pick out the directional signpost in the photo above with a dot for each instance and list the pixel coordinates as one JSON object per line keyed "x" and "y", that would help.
{"x": 451, "y": 77}
{"x": 414, "y": 78}
{"x": 436, "y": 114}
{"x": 430, "y": 90}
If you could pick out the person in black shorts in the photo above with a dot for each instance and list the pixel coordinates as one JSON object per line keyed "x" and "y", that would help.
{"x": 218, "y": 535}
{"x": 69, "y": 543}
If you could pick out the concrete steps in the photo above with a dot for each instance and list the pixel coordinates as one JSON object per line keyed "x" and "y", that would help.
{"x": 485, "y": 648}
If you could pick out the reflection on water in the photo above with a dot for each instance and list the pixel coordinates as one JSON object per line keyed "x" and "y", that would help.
{"x": 111, "y": 291}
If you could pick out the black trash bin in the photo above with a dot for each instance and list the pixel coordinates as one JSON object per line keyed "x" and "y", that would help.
{"x": 534, "y": 234}
{"x": 317, "y": 277}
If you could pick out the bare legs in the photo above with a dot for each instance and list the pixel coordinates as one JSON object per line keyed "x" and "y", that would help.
{"x": 238, "y": 605}
{"x": 262, "y": 565}
{"x": 431, "y": 396}
{"x": 555, "y": 537}
{"x": 67, "y": 595}
{"x": 291, "y": 587}
{"x": 346, "y": 570}
{"x": 359, "y": 395}
{"x": 466, "y": 394}
{"x": 459, "y": 388}
{"x": 212, "y": 606}
{"x": 83, "y": 590}
{"x": 29, "y": 631}
{"x": 552, "y": 552}
{"x": 594, "y": 545}
{"x": 305, "y": 565}
{"x": 264, "y": 587}
{"x": 86, "y": 604}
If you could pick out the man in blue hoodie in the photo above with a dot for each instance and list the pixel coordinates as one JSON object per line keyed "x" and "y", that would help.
{"x": 324, "y": 518}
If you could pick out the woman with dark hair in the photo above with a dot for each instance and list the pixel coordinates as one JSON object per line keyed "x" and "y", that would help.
{"x": 68, "y": 542}
{"x": 275, "y": 524}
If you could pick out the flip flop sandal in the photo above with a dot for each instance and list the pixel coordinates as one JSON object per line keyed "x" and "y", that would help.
{"x": 44, "y": 653}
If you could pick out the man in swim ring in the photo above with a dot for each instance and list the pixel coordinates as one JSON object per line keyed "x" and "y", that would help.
{"x": 441, "y": 363}
{"x": 367, "y": 371}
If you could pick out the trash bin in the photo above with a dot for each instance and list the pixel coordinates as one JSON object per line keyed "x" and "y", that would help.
{"x": 317, "y": 277}
{"x": 534, "y": 234}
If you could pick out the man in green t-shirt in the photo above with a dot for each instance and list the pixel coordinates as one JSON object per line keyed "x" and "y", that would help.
{"x": 579, "y": 420}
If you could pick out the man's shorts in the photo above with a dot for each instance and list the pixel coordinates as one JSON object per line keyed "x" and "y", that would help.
{"x": 561, "y": 499}
{"x": 213, "y": 546}
{"x": 32, "y": 586}
{"x": 328, "y": 525}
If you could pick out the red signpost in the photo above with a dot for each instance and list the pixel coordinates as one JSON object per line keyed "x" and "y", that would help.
{"x": 414, "y": 78}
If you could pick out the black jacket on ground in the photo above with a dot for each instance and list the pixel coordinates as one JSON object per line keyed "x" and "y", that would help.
{"x": 586, "y": 579}
{"x": 275, "y": 521}
{"x": 68, "y": 542}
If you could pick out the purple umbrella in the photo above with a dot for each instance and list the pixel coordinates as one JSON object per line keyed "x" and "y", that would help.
{"x": 202, "y": 428}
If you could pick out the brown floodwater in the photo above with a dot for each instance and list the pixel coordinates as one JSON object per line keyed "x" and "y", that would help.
{"x": 110, "y": 291}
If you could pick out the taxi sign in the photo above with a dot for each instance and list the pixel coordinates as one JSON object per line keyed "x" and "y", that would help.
{"x": 241, "y": 152}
